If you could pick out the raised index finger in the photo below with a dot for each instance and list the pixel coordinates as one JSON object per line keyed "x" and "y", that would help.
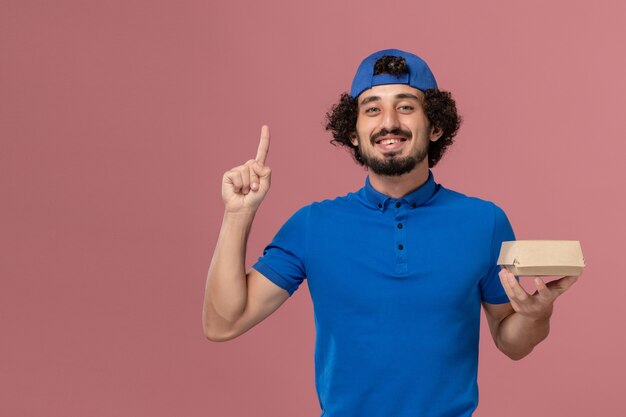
{"x": 264, "y": 144}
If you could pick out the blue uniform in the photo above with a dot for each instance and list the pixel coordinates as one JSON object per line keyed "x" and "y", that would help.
{"x": 396, "y": 286}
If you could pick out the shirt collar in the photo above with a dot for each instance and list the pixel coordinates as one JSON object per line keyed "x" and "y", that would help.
{"x": 413, "y": 199}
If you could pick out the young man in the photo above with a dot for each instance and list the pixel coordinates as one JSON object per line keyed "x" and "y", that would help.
{"x": 397, "y": 270}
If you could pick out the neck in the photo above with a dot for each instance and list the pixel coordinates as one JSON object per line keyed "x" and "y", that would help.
{"x": 401, "y": 185}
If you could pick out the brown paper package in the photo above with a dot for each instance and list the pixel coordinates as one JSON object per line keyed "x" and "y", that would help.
{"x": 542, "y": 257}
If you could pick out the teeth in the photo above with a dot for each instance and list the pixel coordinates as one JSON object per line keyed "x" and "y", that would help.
{"x": 389, "y": 141}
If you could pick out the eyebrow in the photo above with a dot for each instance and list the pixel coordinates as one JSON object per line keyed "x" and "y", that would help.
{"x": 407, "y": 95}
{"x": 398, "y": 96}
{"x": 369, "y": 99}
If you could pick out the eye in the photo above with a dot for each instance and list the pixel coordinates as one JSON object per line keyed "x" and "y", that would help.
{"x": 371, "y": 110}
{"x": 406, "y": 107}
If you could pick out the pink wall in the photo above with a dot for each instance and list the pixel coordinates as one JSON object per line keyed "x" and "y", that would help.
{"x": 118, "y": 119}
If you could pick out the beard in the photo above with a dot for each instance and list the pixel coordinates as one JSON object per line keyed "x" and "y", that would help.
{"x": 392, "y": 165}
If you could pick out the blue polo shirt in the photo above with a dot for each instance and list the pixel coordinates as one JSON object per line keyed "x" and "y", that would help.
{"x": 397, "y": 286}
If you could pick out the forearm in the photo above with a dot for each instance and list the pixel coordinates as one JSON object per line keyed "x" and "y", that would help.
{"x": 518, "y": 334}
{"x": 226, "y": 287}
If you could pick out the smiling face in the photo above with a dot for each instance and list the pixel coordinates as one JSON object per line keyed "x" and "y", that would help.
{"x": 392, "y": 131}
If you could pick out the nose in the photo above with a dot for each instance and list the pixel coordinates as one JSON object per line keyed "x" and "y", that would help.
{"x": 390, "y": 120}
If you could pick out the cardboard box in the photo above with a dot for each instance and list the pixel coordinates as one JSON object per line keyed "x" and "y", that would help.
{"x": 542, "y": 257}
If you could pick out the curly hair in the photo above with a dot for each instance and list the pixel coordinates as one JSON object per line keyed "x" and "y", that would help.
{"x": 439, "y": 108}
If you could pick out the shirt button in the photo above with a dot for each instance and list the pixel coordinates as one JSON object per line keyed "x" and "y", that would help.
{"x": 400, "y": 247}
{"x": 399, "y": 225}
{"x": 380, "y": 205}
{"x": 398, "y": 204}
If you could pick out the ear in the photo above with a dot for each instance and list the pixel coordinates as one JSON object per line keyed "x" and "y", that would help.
{"x": 435, "y": 133}
{"x": 353, "y": 139}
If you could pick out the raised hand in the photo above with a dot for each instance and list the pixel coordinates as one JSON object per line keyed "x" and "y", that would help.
{"x": 540, "y": 304}
{"x": 245, "y": 186}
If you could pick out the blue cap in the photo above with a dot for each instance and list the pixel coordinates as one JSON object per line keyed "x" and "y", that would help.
{"x": 419, "y": 75}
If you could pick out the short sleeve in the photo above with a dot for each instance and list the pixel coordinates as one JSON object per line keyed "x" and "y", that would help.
{"x": 283, "y": 260}
{"x": 491, "y": 289}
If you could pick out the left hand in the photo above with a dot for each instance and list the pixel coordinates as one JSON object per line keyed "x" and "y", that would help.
{"x": 539, "y": 305}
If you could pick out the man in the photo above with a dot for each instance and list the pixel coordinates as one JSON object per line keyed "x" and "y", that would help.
{"x": 397, "y": 271}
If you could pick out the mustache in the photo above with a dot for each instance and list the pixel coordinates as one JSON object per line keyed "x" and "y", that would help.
{"x": 396, "y": 132}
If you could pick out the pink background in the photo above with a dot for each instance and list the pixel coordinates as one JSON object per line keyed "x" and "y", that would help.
{"x": 118, "y": 119}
